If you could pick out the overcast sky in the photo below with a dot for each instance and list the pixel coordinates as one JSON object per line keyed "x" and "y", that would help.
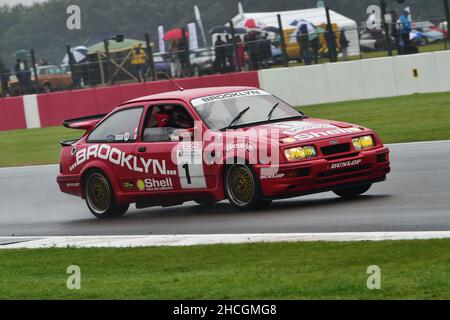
{"x": 14, "y": 2}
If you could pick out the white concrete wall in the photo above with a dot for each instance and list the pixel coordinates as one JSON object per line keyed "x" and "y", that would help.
{"x": 362, "y": 79}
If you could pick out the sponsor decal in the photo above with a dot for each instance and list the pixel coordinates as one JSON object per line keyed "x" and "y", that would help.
{"x": 155, "y": 184}
{"x": 334, "y": 142}
{"x": 120, "y": 158}
{"x": 227, "y": 96}
{"x": 73, "y": 185}
{"x": 306, "y": 126}
{"x": 240, "y": 146}
{"x": 128, "y": 185}
{"x": 273, "y": 176}
{"x": 345, "y": 164}
{"x": 324, "y": 134}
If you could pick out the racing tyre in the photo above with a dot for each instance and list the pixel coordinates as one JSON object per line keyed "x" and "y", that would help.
{"x": 100, "y": 197}
{"x": 352, "y": 192}
{"x": 242, "y": 187}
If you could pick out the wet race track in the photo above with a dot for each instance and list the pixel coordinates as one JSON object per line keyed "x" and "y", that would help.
{"x": 415, "y": 198}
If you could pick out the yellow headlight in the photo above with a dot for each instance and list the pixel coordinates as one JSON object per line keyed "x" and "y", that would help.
{"x": 295, "y": 154}
{"x": 362, "y": 143}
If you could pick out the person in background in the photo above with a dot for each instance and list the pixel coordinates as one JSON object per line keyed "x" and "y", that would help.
{"x": 266, "y": 50}
{"x": 405, "y": 30}
{"x": 77, "y": 72}
{"x": 252, "y": 48}
{"x": 394, "y": 31}
{"x": 315, "y": 46}
{"x": 240, "y": 53}
{"x": 183, "y": 56}
{"x": 305, "y": 45}
{"x": 28, "y": 79}
{"x": 220, "y": 51}
{"x": 19, "y": 72}
{"x": 230, "y": 52}
{"x": 344, "y": 43}
{"x": 175, "y": 62}
{"x": 4, "y": 80}
{"x": 138, "y": 58}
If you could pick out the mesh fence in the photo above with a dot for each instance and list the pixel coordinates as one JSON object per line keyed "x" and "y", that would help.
{"x": 251, "y": 49}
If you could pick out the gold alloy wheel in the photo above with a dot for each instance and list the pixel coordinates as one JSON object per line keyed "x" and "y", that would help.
{"x": 241, "y": 185}
{"x": 98, "y": 193}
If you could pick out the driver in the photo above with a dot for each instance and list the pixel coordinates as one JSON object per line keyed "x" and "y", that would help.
{"x": 162, "y": 119}
{"x": 181, "y": 120}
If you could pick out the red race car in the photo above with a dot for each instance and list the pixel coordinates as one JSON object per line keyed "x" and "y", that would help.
{"x": 236, "y": 143}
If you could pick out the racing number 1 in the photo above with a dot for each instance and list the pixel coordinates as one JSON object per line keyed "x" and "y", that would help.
{"x": 190, "y": 166}
{"x": 188, "y": 175}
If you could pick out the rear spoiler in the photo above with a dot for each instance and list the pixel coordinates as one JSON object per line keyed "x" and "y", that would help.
{"x": 84, "y": 123}
{"x": 69, "y": 143}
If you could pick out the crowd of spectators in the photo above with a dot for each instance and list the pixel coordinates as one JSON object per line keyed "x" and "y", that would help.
{"x": 253, "y": 51}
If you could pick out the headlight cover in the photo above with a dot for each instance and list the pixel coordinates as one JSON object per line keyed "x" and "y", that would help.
{"x": 300, "y": 153}
{"x": 363, "y": 143}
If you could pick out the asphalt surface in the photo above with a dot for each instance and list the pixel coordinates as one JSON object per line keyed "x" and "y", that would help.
{"x": 415, "y": 198}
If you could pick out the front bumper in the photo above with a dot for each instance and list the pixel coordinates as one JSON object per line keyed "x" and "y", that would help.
{"x": 319, "y": 175}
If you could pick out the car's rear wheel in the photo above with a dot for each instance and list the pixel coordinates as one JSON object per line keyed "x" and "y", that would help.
{"x": 100, "y": 197}
{"x": 352, "y": 192}
{"x": 242, "y": 187}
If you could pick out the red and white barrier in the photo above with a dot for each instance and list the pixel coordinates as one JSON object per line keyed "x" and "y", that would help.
{"x": 51, "y": 109}
{"x": 362, "y": 79}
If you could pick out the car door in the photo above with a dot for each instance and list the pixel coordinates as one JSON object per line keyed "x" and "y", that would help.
{"x": 113, "y": 142}
{"x": 171, "y": 163}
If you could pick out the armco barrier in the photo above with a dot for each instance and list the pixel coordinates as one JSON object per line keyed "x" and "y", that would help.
{"x": 51, "y": 109}
{"x": 362, "y": 79}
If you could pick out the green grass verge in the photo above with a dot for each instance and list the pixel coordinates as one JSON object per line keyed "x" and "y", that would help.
{"x": 420, "y": 117}
{"x": 317, "y": 270}
{"x": 33, "y": 146}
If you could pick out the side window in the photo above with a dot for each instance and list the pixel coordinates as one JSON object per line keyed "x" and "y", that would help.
{"x": 121, "y": 126}
{"x": 164, "y": 121}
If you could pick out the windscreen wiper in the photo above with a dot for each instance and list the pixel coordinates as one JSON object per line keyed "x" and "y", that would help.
{"x": 269, "y": 116}
{"x": 238, "y": 117}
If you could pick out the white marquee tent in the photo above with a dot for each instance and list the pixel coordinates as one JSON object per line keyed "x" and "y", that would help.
{"x": 316, "y": 16}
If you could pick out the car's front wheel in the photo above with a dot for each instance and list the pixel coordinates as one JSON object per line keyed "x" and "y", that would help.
{"x": 352, "y": 192}
{"x": 100, "y": 197}
{"x": 242, "y": 187}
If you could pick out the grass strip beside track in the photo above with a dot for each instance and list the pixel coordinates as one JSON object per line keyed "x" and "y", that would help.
{"x": 316, "y": 270}
{"x": 421, "y": 117}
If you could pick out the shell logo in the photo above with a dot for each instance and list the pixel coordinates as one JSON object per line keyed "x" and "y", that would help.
{"x": 141, "y": 185}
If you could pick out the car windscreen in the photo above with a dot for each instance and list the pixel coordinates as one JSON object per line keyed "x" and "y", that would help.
{"x": 219, "y": 111}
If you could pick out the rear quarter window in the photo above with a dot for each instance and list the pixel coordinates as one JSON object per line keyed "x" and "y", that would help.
{"x": 121, "y": 126}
